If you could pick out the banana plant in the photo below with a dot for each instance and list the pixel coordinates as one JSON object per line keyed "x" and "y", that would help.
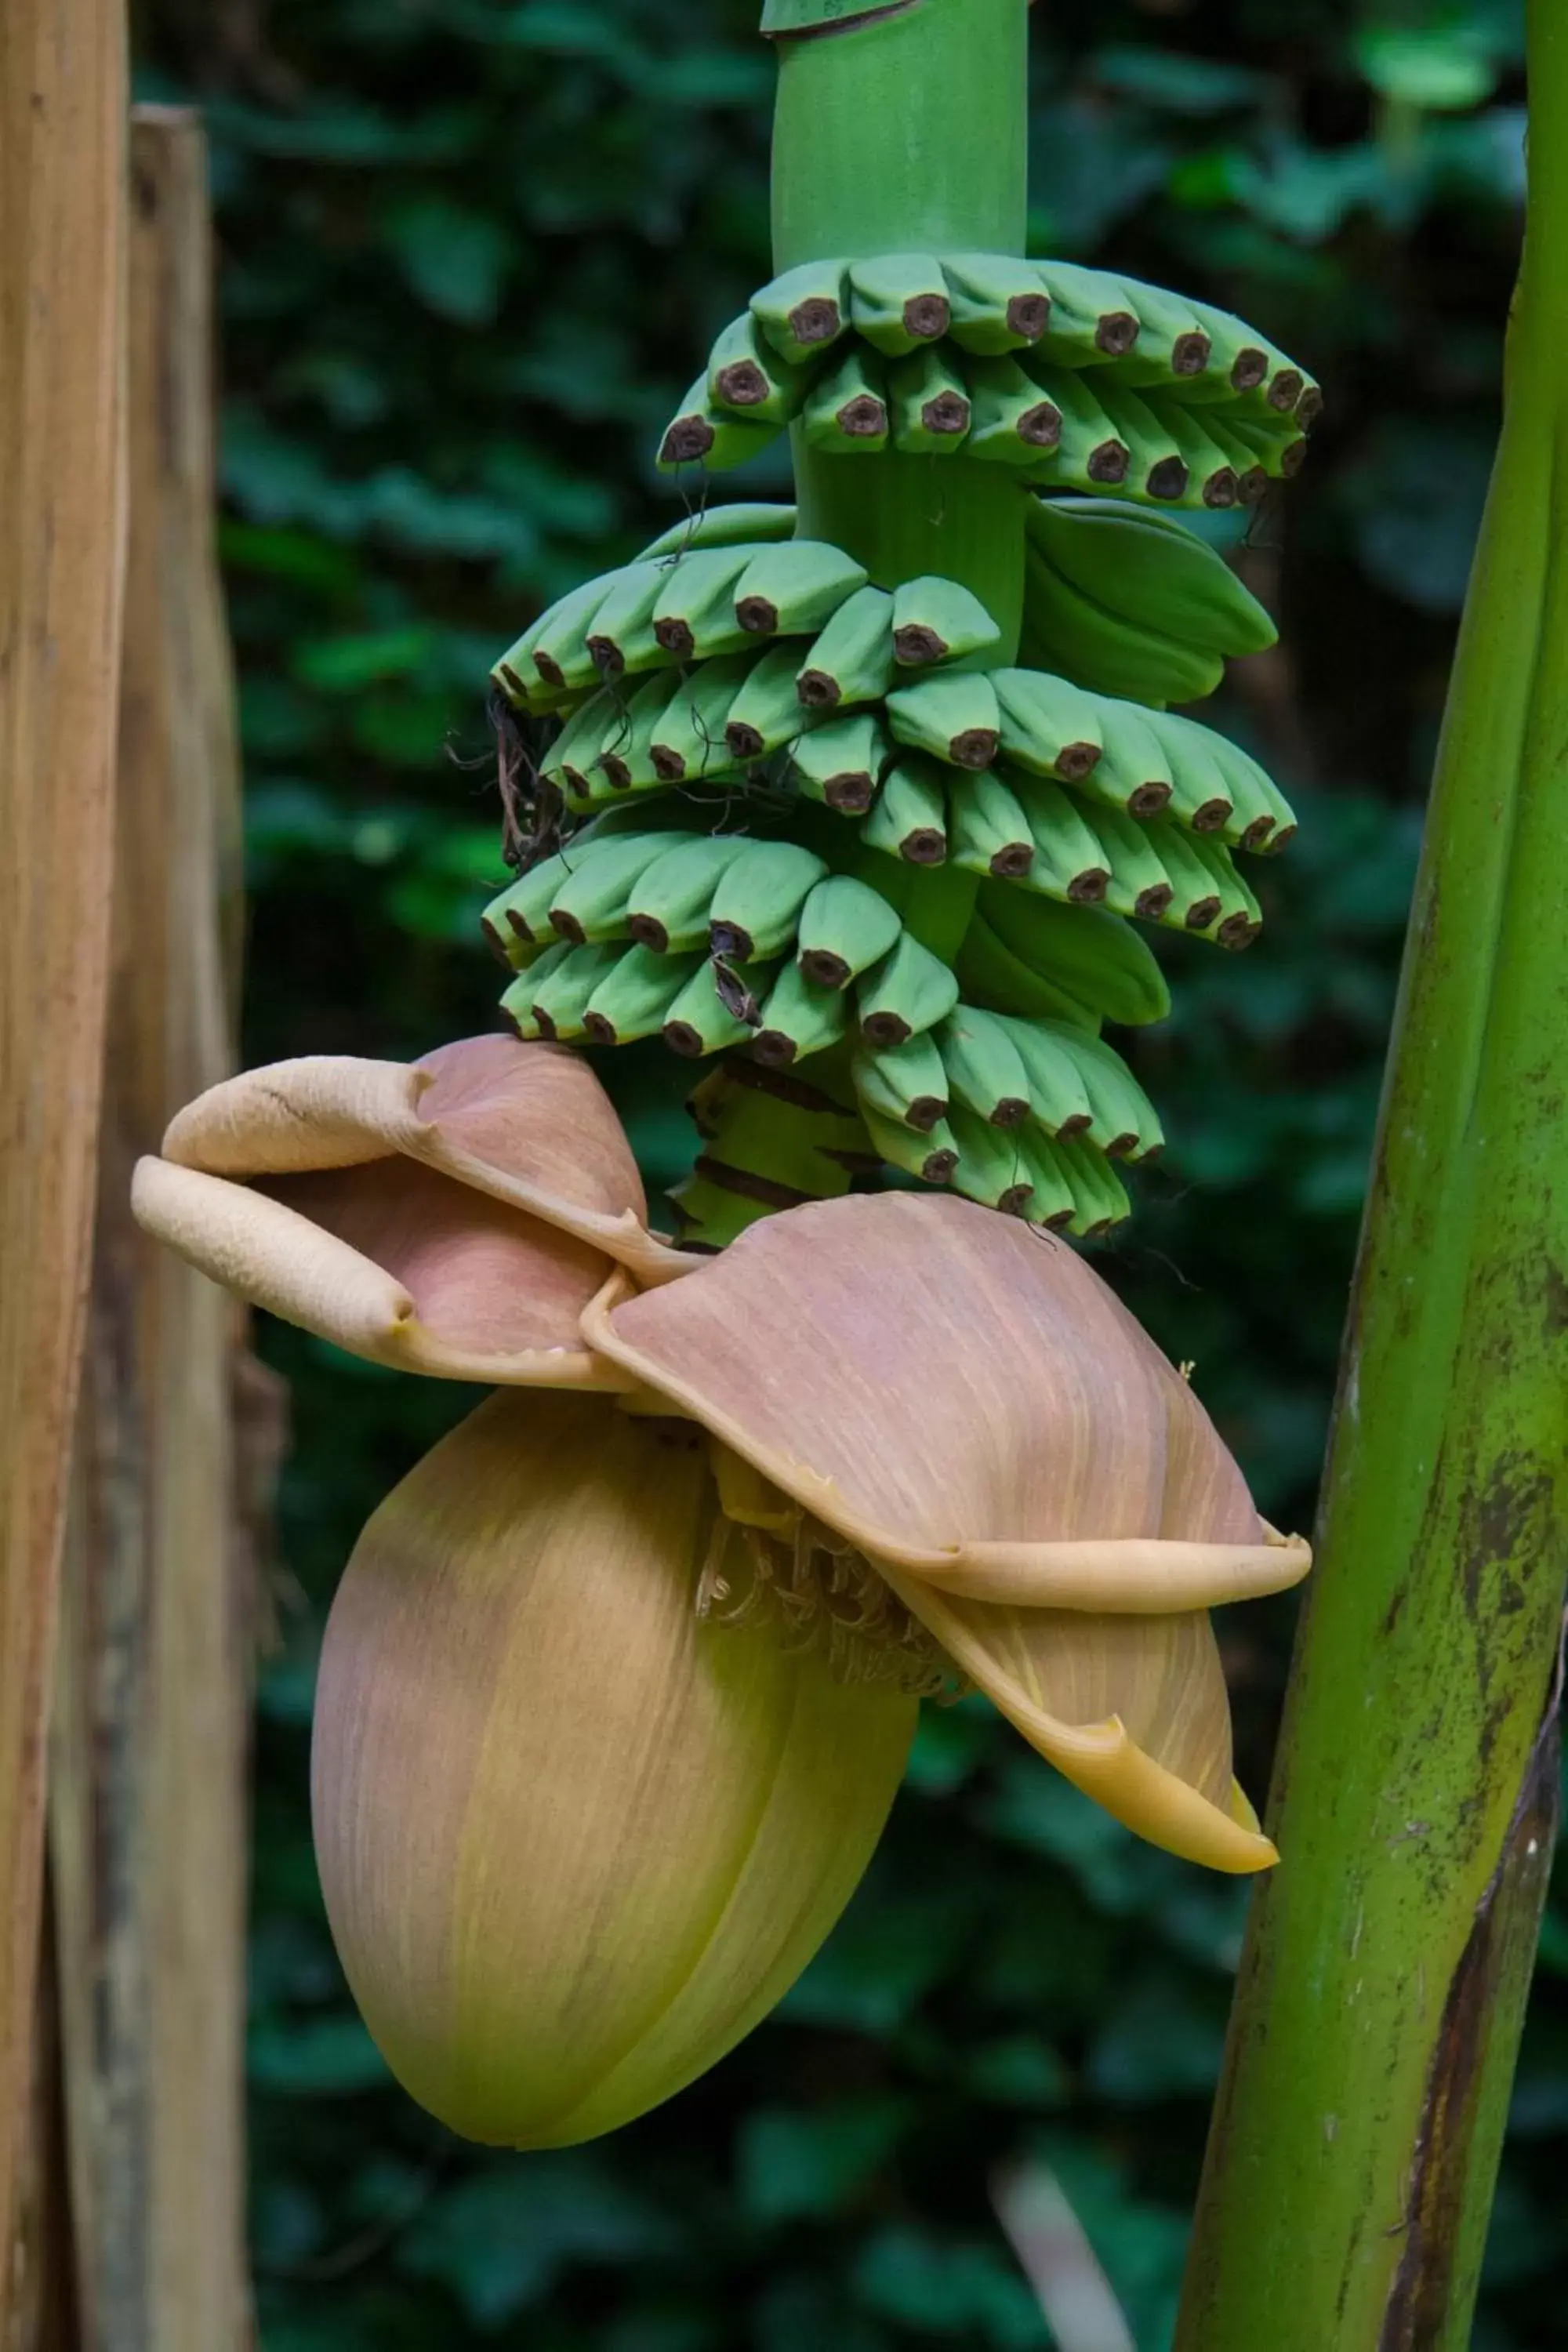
{"x": 859, "y": 801}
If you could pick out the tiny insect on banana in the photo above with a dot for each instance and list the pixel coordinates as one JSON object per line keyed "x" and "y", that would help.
{"x": 905, "y": 1082}
{"x": 938, "y": 620}
{"x": 746, "y": 374}
{"x": 757, "y": 900}
{"x": 898, "y": 301}
{"x": 840, "y": 764}
{"x": 985, "y": 1072}
{"x": 997, "y": 304}
{"x": 853, "y": 659}
{"x": 700, "y": 434}
{"x": 928, "y": 404}
{"x": 904, "y": 996}
{"x": 1151, "y": 569}
{"x": 805, "y": 311}
{"x": 795, "y": 588}
{"x": 950, "y": 714}
{"x": 846, "y": 411}
{"x": 634, "y": 1001}
{"x": 668, "y": 907}
{"x": 910, "y": 817}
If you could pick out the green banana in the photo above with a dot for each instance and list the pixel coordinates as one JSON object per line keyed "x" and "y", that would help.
{"x": 621, "y": 636}
{"x": 626, "y": 763}
{"x": 1134, "y": 774}
{"x": 591, "y": 900}
{"x": 1213, "y": 479}
{"x": 985, "y": 1072}
{"x": 898, "y": 301}
{"x": 1278, "y": 446}
{"x": 1153, "y": 569}
{"x": 743, "y": 522}
{"x": 992, "y": 1167}
{"x": 1261, "y": 818}
{"x": 951, "y": 714}
{"x": 1239, "y": 361}
{"x": 634, "y": 1000}
{"x": 997, "y": 304}
{"x": 846, "y": 408}
{"x": 1122, "y": 1121}
{"x": 993, "y": 977}
{"x": 1070, "y": 860}
{"x": 1100, "y": 1197}
{"x": 571, "y": 761}
{"x": 1096, "y": 955}
{"x": 518, "y": 1001}
{"x": 757, "y": 901}
{"x": 1240, "y": 916}
{"x": 1048, "y": 727}
{"x": 532, "y": 667}
{"x": 550, "y": 1000}
{"x": 1011, "y": 420}
{"x": 1058, "y": 1099}
{"x": 908, "y": 819}
{"x": 933, "y": 1158}
{"x": 694, "y": 617}
{"x": 1173, "y": 345}
{"x": 745, "y": 374}
{"x": 700, "y": 434}
{"x": 805, "y": 311}
{"x": 669, "y": 904}
{"x": 794, "y": 589}
{"x": 1092, "y": 316}
{"x": 719, "y": 1007}
{"x": 853, "y": 659}
{"x": 841, "y": 763}
{"x": 938, "y": 620}
{"x": 904, "y": 996}
{"x": 688, "y": 738}
{"x": 1196, "y": 904}
{"x": 928, "y": 400}
{"x": 1052, "y": 1202}
{"x": 989, "y": 830}
{"x": 844, "y": 927}
{"x": 1100, "y": 650}
{"x": 1201, "y": 796}
{"x": 766, "y": 713}
{"x": 1156, "y": 467}
{"x": 907, "y": 1082}
{"x": 799, "y": 1020}
{"x": 1090, "y": 452}
{"x": 518, "y": 918}
{"x": 1139, "y": 884}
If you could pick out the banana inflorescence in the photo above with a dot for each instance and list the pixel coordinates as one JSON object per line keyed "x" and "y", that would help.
{"x": 882, "y": 861}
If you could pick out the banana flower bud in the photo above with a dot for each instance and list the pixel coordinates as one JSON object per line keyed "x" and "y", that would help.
{"x": 619, "y": 1686}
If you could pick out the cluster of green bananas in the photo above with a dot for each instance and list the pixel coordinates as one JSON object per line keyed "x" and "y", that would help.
{"x": 988, "y": 355}
{"x": 1121, "y": 599}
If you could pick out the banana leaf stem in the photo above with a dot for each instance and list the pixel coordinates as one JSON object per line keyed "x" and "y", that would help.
{"x": 1360, "y": 2120}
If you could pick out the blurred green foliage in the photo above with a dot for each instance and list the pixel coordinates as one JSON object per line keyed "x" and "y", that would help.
{"x": 459, "y": 237}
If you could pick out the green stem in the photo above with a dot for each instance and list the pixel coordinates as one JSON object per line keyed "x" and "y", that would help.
{"x": 1360, "y": 2121}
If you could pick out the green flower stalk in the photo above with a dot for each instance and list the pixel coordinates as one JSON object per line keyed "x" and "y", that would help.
{"x": 1383, "y": 1990}
{"x": 858, "y": 802}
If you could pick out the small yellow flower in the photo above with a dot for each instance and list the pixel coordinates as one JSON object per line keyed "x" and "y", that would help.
{"x": 580, "y": 1822}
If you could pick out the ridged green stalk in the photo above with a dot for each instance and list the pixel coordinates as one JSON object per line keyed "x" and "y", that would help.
{"x": 1382, "y": 1989}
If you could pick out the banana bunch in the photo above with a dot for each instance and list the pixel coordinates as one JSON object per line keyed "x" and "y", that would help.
{"x": 1069, "y": 374}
